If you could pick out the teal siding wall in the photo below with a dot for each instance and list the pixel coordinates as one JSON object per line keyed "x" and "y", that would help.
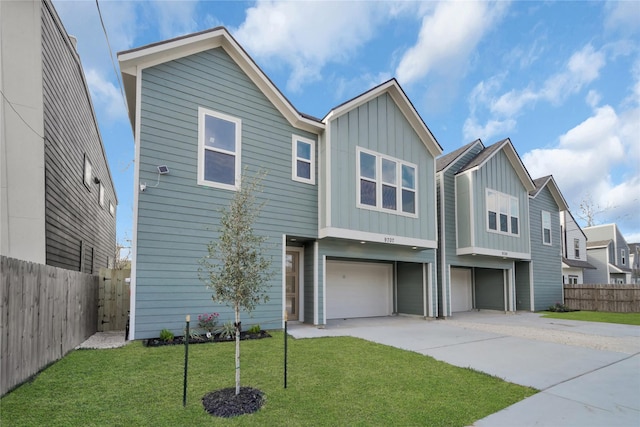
{"x": 178, "y": 218}
{"x": 463, "y": 211}
{"x": 546, "y": 260}
{"x": 499, "y": 175}
{"x": 523, "y": 290}
{"x": 409, "y": 289}
{"x": 489, "y": 289}
{"x": 380, "y": 126}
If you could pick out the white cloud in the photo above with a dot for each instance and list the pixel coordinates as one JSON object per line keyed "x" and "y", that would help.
{"x": 105, "y": 95}
{"x": 582, "y": 68}
{"x": 307, "y": 35}
{"x": 174, "y": 18}
{"x": 447, "y": 36}
{"x": 622, "y": 16}
{"x": 473, "y": 130}
{"x": 584, "y": 159}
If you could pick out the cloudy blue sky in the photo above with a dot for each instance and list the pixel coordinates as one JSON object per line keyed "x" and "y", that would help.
{"x": 561, "y": 79}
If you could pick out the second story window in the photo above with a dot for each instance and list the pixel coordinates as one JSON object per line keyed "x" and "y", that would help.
{"x": 503, "y": 213}
{"x": 546, "y": 228}
{"x": 576, "y": 248}
{"x": 218, "y": 149}
{"x": 623, "y": 256}
{"x": 87, "y": 172}
{"x": 304, "y": 160}
{"x": 386, "y": 183}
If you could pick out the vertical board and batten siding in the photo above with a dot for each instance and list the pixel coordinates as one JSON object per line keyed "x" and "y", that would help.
{"x": 380, "y": 126}
{"x": 598, "y": 259}
{"x": 46, "y": 312}
{"x": 498, "y": 174}
{"x": 545, "y": 259}
{"x": 178, "y": 218}
{"x": 73, "y": 215}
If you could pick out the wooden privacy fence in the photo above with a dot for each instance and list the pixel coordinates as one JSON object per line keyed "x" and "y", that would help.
{"x": 113, "y": 300}
{"x": 611, "y": 298}
{"x": 46, "y": 312}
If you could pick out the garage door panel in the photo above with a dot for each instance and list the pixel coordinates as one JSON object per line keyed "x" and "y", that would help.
{"x": 358, "y": 289}
{"x": 461, "y": 295}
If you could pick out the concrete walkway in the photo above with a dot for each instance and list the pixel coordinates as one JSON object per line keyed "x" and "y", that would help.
{"x": 588, "y": 373}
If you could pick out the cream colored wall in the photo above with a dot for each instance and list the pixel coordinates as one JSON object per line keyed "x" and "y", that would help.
{"x": 22, "y": 210}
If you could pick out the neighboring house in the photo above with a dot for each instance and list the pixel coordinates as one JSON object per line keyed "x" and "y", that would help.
{"x": 545, "y": 206}
{"x": 58, "y": 200}
{"x": 634, "y": 261}
{"x": 483, "y": 218}
{"x": 350, "y": 199}
{"x": 608, "y": 252}
{"x": 574, "y": 249}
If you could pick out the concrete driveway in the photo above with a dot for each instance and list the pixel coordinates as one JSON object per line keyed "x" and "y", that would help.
{"x": 588, "y": 373}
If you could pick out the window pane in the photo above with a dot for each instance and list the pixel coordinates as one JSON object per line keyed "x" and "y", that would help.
{"x": 491, "y": 201}
{"x": 493, "y": 225}
{"x": 388, "y": 197}
{"x": 367, "y": 192}
{"x": 367, "y": 165}
{"x": 219, "y": 133}
{"x": 408, "y": 201}
{"x": 408, "y": 177}
{"x": 303, "y": 169}
{"x": 219, "y": 167}
{"x": 388, "y": 171}
{"x": 547, "y": 235}
{"x": 303, "y": 150}
{"x": 503, "y": 223}
{"x": 504, "y": 204}
{"x": 514, "y": 225}
{"x": 514, "y": 207}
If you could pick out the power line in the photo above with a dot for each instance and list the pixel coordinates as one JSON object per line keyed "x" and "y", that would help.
{"x": 19, "y": 115}
{"x": 115, "y": 69}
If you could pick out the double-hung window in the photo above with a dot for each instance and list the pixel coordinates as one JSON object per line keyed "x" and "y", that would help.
{"x": 101, "y": 195}
{"x": 304, "y": 160}
{"x": 218, "y": 149}
{"x": 87, "y": 172}
{"x": 576, "y": 248}
{"x": 386, "y": 183}
{"x": 623, "y": 254}
{"x": 503, "y": 213}
{"x": 546, "y": 228}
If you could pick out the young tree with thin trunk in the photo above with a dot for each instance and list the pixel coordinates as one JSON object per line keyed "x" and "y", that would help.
{"x": 235, "y": 268}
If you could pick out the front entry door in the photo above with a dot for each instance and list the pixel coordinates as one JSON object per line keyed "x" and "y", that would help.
{"x": 293, "y": 285}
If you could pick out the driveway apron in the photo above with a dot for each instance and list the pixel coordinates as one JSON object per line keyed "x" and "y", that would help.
{"x": 588, "y": 373}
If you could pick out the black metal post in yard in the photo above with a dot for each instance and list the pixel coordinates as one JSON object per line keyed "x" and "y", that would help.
{"x": 285, "y": 349}
{"x": 186, "y": 362}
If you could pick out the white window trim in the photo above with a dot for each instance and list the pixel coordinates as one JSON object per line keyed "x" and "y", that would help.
{"x": 202, "y": 112}
{"x": 378, "y": 181}
{"x": 542, "y": 213}
{"x": 294, "y": 159}
{"x": 101, "y": 195}
{"x": 512, "y": 199}
{"x": 87, "y": 172}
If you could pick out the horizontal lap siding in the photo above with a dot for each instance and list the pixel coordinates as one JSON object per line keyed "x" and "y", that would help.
{"x": 380, "y": 126}
{"x": 72, "y": 212}
{"x": 178, "y": 218}
{"x": 546, "y": 260}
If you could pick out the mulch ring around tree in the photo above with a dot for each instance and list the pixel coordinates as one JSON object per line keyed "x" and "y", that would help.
{"x": 244, "y": 335}
{"x": 226, "y": 403}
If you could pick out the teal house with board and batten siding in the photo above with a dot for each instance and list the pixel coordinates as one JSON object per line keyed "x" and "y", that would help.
{"x": 490, "y": 252}
{"x": 350, "y": 199}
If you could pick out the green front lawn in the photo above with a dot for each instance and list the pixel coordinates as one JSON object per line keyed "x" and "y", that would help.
{"x": 597, "y": 316}
{"x": 331, "y": 381}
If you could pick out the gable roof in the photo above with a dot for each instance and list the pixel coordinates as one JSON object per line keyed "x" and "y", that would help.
{"x": 392, "y": 87}
{"x": 443, "y": 162}
{"x": 574, "y": 221}
{"x": 505, "y": 145}
{"x": 549, "y": 182}
{"x": 597, "y": 244}
{"x": 133, "y": 60}
{"x": 576, "y": 263}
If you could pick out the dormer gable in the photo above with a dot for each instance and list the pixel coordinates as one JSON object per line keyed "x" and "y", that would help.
{"x": 391, "y": 87}
{"x": 550, "y": 183}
